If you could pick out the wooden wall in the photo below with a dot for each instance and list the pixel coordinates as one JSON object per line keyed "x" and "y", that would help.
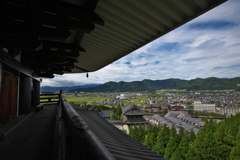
{"x": 8, "y": 96}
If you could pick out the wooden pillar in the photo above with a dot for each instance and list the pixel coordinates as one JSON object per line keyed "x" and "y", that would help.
{"x": 36, "y": 92}
{"x": 0, "y": 76}
{"x": 25, "y": 94}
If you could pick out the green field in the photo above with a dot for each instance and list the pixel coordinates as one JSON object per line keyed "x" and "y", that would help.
{"x": 88, "y": 100}
{"x": 83, "y": 99}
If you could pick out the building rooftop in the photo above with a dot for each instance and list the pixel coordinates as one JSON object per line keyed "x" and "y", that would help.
{"x": 188, "y": 118}
{"x": 170, "y": 114}
{"x": 174, "y": 120}
{"x": 132, "y": 109}
{"x": 188, "y": 127}
{"x": 106, "y": 113}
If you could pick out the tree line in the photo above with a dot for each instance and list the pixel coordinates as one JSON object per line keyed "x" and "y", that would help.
{"x": 214, "y": 141}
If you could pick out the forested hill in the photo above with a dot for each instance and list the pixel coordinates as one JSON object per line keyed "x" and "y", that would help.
{"x": 151, "y": 85}
{"x": 64, "y": 89}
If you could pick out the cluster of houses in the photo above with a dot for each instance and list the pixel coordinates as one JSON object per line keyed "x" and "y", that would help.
{"x": 175, "y": 104}
{"x": 134, "y": 115}
{"x": 183, "y": 120}
{"x": 222, "y": 103}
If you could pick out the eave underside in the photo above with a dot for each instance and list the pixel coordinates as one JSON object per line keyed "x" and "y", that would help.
{"x": 67, "y": 36}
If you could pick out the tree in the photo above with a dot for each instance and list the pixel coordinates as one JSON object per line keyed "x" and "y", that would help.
{"x": 131, "y": 131}
{"x": 211, "y": 148}
{"x": 198, "y": 143}
{"x": 181, "y": 134}
{"x": 183, "y": 147}
{"x": 121, "y": 117}
{"x": 173, "y": 131}
{"x": 235, "y": 152}
{"x": 134, "y": 133}
{"x": 192, "y": 154}
{"x": 113, "y": 116}
{"x": 192, "y": 136}
{"x": 165, "y": 111}
{"x": 151, "y": 137}
{"x": 177, "y": 155}
{"x": 190, "y": 112}
{"x": 118, "y": 111}
{"x": 142, "y": 133}
{"x": 233, "y": 128}
{"x": 225, "y": 144}
{"x": 171, "y": 147}
{"x": 162, "y": 140}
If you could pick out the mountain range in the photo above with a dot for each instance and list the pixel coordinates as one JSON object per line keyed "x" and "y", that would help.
{"x": 211, "y": 83}
{"x": 65, "y": 89}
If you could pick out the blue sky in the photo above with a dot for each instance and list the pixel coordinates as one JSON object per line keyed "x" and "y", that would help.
{"x": 208, "y": 46}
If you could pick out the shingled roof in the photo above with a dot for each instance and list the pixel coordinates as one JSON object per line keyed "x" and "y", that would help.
{"x": 106, "y": 113}
{"x": 119, "y": 144}
{"x": 132, "y": 109}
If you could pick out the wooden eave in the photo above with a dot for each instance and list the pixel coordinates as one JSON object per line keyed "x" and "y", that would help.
{"x": 68, "y": 36}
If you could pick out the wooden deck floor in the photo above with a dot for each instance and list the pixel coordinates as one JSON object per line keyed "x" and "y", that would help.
{"x": 30, "y": 137}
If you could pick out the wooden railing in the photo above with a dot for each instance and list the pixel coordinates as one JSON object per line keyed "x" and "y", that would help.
{"x": 50, "y": 98}
{"x": 82, "y": 138}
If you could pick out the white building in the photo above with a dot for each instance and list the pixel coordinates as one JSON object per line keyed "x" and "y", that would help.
{"x": 230, "y": 110}
{"x": 198, "y": 106}
{"x": 122, "y": 96}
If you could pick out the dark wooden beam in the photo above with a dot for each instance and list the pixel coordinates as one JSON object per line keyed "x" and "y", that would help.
{"x": 90, "y": 5}
{"x": 74, "y": 11}
{"x": 58, "y": 53}
{"x": 13, "y": 63}
{"x": 52, "y": 33}
{"x": 20, "y": 44}
{"x": 17, "y": 30}
{"x": 17, "y": 35}
{"x": 33, "y": 16}
{"x": 52, "y": 64}
{"x": 86, "y": 13}
{"x": 55, "y": 67}
{"x": 68, "y": 69}
{"x": 52, "y": 44}
{"x": 45, "y": 74}
{"x": 45, "y": 60}
{"x": 71, "y": 60}
{"x": 52, "y": 20}
{"x": 69, "y": 64}
{"x": 41, "y": 67}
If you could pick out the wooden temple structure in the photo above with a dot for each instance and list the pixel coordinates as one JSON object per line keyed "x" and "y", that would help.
{"x": 133, "y": 115}
{"x": 42, "y": 38}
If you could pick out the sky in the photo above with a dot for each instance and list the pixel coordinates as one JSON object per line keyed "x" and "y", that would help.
{"x": 208, "y": 46}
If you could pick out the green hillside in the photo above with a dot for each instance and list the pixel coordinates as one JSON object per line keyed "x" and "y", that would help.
{"x": 211, "y": 83}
